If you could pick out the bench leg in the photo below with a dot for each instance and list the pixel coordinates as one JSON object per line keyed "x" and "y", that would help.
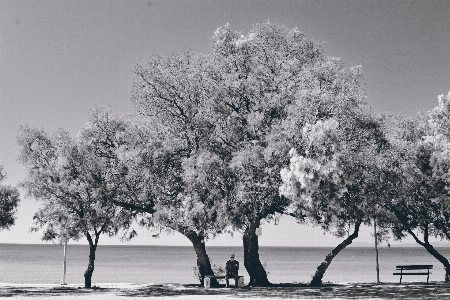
{"x": 401, "y": 278}
{"x": 207, "y": 282}
{"x": 241, "y": 282}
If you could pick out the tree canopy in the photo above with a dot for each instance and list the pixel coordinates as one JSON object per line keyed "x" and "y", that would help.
{"x": 177, "y": 187}
{"x": 246, "y": 104}
{"x": 421, "y": 203}
{"x": 72, "y": 184}
{"x": 9, "y": 200}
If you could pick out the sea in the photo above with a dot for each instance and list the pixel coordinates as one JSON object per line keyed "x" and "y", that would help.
{"x": 43, "y": 264}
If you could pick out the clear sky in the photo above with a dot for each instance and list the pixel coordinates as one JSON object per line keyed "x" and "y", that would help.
{"x": 58, "y": 59}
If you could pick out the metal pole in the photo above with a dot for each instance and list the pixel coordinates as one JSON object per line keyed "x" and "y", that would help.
{"x": 65, "y": 252}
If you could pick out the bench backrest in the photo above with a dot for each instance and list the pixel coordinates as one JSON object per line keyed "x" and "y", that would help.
{"x": 414, "y": 267}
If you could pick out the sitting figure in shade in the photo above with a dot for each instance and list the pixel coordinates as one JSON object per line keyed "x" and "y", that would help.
{"x": 232, "y": 269}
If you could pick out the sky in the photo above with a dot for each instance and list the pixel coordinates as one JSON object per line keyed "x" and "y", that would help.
{"x": 60, "y": 59}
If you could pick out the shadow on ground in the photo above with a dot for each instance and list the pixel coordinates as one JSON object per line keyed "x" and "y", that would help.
{"x": 327, "y": 291}
{"x": 11, "y": 291}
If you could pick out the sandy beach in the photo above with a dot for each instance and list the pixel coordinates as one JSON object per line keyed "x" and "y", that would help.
{"x": 433, "y": 290}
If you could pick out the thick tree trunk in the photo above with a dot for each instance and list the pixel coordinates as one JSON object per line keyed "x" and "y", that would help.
{"x": 258, "y": 276}
{"x": 376, "y": 249}
{"x": 440, "y": 258}
{"x": 90, "y": 268}
{"x": 203, "y": 262}
{"x": 430, "y": 249}
{"x": 320, "y": 272}
{"x": 92, "y": 248}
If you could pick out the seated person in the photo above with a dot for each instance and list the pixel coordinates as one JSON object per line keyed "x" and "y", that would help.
{"x": 232, "y": 269}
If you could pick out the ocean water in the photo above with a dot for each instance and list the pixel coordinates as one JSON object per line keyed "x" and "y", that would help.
{"x": 163, "y": 264}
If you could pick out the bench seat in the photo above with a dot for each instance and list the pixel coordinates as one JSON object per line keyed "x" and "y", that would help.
{"x": 424, "y": 273}
{"x": 207, "y": 281}
{"x": 416, "y": 270}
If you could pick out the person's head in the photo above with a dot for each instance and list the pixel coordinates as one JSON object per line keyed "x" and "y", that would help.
{"x": 232, "y": 257}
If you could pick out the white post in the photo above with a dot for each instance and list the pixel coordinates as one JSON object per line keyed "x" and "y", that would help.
{"x": 258, "y": 231}
{"x": 64, "y": 264}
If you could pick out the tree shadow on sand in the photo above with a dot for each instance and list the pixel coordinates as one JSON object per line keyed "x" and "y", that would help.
{"x": 36, "y": 291}
{"x": 302, "y": 291}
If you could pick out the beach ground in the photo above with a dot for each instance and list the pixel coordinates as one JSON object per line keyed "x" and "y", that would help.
{"x": 420, "y": 290}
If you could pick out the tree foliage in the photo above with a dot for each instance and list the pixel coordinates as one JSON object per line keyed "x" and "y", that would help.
{"x": 245, "y": 104}
{"x": 9, "y": 200}
{"x": 334, "y": 183}
{"x": 72, "y": 184}
{"x": 258, "y": 77}
{"x": 421, "y": 205}
{"x": 174, "y": 187}
{"x": 337, "y": 143}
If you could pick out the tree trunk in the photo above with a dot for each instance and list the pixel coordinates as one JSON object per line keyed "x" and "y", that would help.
{"x": 90, "y": 269}
{"x": 320, "y": 272}
{"x": 441, "y": 259}
{"x": 376, "y": 249}
{"x": 203, "y": 262}
{"x": 430, "y": 249}
{"x": 92, "y": 248}
{"x": 258, "y": 276}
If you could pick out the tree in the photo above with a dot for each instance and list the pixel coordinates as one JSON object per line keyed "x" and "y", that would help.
{"x": 337, "y": 144}
{"x": 9, "y": 200}
{"x": 178, "y": 187}
{"x": 439, "y": 138}
{"x": 71, "y": 183}
{"x": 333, "y": 183}
{"x": 227, "y": 103}
{"x": 421, "y": 206}
{"x": 246, "y": 102}
{"x": 258, "y": 77}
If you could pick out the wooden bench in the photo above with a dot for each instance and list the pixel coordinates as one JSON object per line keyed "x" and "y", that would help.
{"x": 413, "y": 268}
{"x": 207, "y": 281}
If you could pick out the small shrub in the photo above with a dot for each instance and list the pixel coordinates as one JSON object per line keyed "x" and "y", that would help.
{"x": 219, "y": 270}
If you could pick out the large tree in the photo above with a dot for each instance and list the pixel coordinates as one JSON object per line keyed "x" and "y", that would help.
{"x": 422, "y": 202}
{"x": 179, "y": 188}
{"x": 246, "y": 102}
{"x": 334, "y": 182}
{"x": 258, "y": 77}
{"x": 9, "y": 200}
{"x": 72, "y": 183}
{"x": 272, "y": 83}
{"x": 226, "y": 103}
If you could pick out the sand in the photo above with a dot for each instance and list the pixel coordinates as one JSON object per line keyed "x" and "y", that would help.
{"x": 419, "y": 290}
